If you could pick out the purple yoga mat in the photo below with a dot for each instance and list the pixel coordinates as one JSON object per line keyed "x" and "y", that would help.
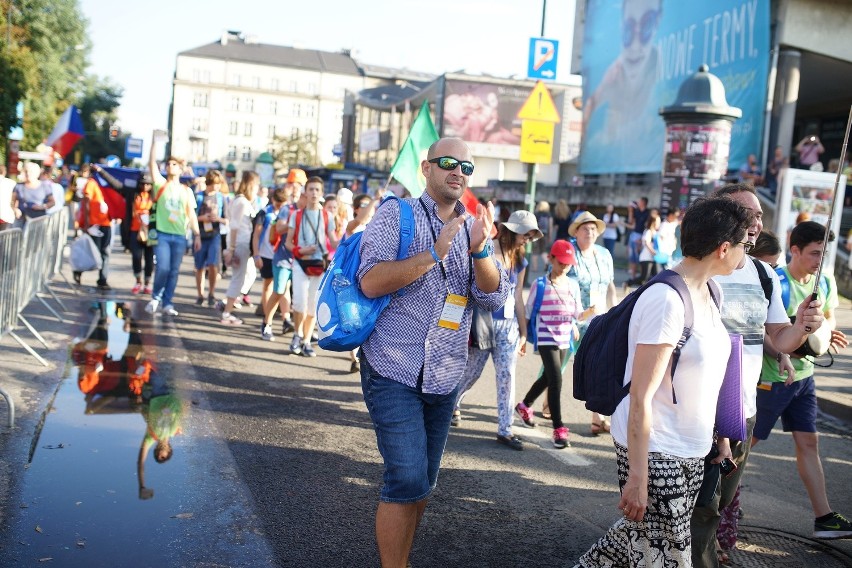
{"x": 730, "y": 422}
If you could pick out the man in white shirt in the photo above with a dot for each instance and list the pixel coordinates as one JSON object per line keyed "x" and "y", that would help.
{"x": 747, "y": 311}
{"x": 7, "y": 187}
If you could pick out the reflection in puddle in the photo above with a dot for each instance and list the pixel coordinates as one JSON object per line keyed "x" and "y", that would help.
{"x": 87, "y": 497}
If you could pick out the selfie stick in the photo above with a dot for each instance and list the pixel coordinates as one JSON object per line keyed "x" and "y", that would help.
{"x": 831, "y": 211}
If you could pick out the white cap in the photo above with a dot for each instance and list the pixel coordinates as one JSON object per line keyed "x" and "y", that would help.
{"x": 344, "y": 195}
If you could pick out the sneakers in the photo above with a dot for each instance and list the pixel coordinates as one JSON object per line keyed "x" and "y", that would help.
{"x": 526, "y": 414}
{"x": 308, "y": 351}
{"x": 560, "y": 438}
{"x": 456, "y": 418}
{"x": 296, "y": 345}
{"x": 170, "y": 310}
{"x": 151, "y": 307}
{"x": 511, "y": 441}
{"x": 354, "y": 367}
{"x": 104, "y": 287}
{"x": 136, "y": 289}
{"x": 832, "y": 526}
{"x": 230, "y": 319}
{"x": 211, "y": 301}
{"x": 247, "y": 301}
{"x": 287, "y": 327}
{"x": 266, "y": 334}
{"x": 220, "y": 306}
{"x": 199, "y": 301}
{"x": 147, "y": 290}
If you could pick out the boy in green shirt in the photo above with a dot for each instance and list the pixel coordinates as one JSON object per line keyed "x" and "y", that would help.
{"x": 793, "y": 399}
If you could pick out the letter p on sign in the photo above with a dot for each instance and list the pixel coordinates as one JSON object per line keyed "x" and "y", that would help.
{"x": 542, "y": 61}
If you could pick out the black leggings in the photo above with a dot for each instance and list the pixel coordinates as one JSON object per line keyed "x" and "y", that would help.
{"x": 649, "y": 270}
{"x": 139, "y": 251}
{"x": 550, "y": 379}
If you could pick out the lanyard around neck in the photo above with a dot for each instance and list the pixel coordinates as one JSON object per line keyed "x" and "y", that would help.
{"x": 435, "y": 239}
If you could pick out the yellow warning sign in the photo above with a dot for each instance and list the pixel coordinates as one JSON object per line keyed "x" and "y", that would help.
{"x": 537, "y": 142}
{"x": 539, "y": 106}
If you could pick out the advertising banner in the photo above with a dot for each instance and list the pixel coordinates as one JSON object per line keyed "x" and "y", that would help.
{"x": 636, "y": 54}
{"x": 804, "y": 191}
{"x": 696, "y": 156}
{"x": 485, "y": 116}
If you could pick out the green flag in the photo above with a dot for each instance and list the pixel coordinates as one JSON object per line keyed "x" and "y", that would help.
{"x": 406, "y": 168}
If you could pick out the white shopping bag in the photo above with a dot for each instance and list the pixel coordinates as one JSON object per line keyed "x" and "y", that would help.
{"x": 85, "y": 255}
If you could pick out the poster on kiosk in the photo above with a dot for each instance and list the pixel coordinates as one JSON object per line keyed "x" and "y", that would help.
{"x": 806, "y": 191}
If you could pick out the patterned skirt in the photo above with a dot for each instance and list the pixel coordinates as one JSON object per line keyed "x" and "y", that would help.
{"x": 662, "y": 537}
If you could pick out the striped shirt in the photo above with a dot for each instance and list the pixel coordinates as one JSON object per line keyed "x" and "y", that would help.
{"x": 407, "y": 338}
{"x": 559, "y": 310}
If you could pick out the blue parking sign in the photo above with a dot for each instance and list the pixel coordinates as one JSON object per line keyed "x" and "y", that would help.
{"x": 542, "y": 62}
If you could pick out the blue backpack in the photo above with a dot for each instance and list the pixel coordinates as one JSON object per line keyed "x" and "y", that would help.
{"x": 601, "y": 360}
{"x": 347, "y": 259}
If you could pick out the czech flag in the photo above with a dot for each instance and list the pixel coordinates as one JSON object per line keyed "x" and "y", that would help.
{"x": 67, "y": 132}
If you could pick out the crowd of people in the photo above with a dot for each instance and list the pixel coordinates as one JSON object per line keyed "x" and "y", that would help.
{"x": 457, "y": 298}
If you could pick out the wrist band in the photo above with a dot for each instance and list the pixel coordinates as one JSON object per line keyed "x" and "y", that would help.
{"x": 434, "y": 254}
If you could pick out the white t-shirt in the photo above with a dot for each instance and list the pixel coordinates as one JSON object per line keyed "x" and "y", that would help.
{"x": 646, "y": 255}
{"x": 666, "y": 237}
{"x": 746, "y": 311}
{"x": 240, "y": 215}
{"x": 684, "y": 429}
{"x": 610, "y": 232}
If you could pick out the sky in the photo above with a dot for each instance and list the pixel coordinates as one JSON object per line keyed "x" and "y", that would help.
{"x": 136, "y": 43}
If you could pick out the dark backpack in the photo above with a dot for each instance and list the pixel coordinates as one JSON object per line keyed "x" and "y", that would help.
{"x": 601, "y": 360}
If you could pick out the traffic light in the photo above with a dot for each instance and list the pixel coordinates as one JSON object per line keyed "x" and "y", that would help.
{"x": 114, "y": 132}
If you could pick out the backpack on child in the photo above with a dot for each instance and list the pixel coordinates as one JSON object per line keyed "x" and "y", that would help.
{"x": 347, "y": 259}
{"x": 601, "y": 360}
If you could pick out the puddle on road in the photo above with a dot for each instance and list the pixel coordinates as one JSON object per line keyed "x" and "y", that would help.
{"x": 95, "y": 493}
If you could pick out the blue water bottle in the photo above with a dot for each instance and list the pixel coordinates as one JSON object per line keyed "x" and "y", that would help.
{"x": 347, "y": 302}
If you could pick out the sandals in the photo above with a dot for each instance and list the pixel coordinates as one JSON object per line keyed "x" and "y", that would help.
{"x": 600, "y": 427}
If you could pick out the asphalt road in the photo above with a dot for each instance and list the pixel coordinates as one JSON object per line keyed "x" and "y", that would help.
{"x": 282, "y": 466}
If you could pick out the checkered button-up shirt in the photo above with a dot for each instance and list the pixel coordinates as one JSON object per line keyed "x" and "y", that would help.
{"x": 407, "y": 337}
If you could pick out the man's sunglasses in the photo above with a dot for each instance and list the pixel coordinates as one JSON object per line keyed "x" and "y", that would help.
{"x": 449, "y": 164}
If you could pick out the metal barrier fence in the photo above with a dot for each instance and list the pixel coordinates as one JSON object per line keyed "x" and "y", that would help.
{"x": 29, "y": 259}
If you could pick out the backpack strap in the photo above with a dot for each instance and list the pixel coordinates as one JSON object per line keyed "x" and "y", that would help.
{"x": 296, "y": 228}
{"x": 764, "y": 277}
{"x": 532, "y": 325}
{"x": 785, "y": 286}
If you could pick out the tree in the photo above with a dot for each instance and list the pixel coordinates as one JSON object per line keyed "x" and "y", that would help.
{"x": 13, "y": 88}
{"x": 49, "y": 47}
{"x": 98, "y": 104}
{"x": 291, "y": 151}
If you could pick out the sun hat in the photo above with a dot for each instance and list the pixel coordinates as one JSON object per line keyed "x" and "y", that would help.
{"x": 582, "y": 219}
{"x": 522, "y": 222}
{"x": 563, "y": 251}
{"x": 344, "y": 195}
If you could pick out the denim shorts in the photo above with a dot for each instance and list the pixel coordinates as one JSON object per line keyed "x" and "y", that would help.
{"x": 411, "y": 432}
{"x": 208, "y": 254}
{"x": 796, "y": 405}
{"x": 634, "y": 247}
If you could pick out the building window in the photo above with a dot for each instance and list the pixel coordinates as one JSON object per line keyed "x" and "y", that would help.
{"x": 294, "y": 87}
{"x": 205, "y": 76}
{"x": 232, "y": 153}
{"x": 297, "y": 109}
{"x": 312, "y": 88}
{"x": 272, "y": 131}
{"x": 199, "y": 149}
{"x": 249, "y": 105}
{"x": 199, "y": 124}
{"x": 196, "y": 75}
{"x": 246, "y": 155}
{"x": 273, "y": 84}
{"x": 310, "y": 110}
{"x": 234, "y": 128}
{"x": 294, "y": 133}
{"x": 309, "y": 133}
{"x": 199, "y": 100}
{"x": 247, "y": 129}
{"x": 273, "y": 107}
{"x": 235, "y": 103}
{"x": 255, "y": 82}
{"x": 235, "y": 80}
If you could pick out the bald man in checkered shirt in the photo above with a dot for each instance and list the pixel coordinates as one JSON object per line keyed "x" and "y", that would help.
{"x": 413, "y": 361}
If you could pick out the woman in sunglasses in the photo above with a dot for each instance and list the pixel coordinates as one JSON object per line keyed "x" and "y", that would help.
{"x": 502, "y": 334}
